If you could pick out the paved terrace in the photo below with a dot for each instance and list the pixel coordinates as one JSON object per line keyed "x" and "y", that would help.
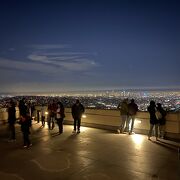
{"x": 94, "y": 154}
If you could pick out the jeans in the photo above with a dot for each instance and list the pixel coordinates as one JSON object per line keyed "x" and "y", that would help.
{"x": 131, "y": 119}
{"x": 51, "y": 122}
{"x": 43, "y": 120}
{"x": 124, "y": 119}
{"x": 78, "y": 123}
{"x": 60, "y": 124}
{"x": 151, "y": 129}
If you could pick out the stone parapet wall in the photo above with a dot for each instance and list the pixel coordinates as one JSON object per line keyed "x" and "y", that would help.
{"x": 110, "y": 119}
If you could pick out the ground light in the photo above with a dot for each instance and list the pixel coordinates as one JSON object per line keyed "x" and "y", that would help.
{"x": 138, "y": 140}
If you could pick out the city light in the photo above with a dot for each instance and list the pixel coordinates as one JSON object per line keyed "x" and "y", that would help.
{"x": 46, "y": 112}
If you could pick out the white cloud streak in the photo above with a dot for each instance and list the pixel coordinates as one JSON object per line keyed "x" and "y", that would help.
{"x": 69, "y": 63}
{"x": 44, "y": 61}
{"x": 49, "y": 46}
{"x": 27, "y": 66}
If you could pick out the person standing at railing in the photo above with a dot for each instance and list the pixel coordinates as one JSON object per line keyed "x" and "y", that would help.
{"x": 123, "y": 107}
{"x": 25, "y": 121}
{"x": 153, "y": 120}
{"x": 51, "y": 115}
{"x": 161, "y": 119}
{"x": 132, "y": 110}
{"x": 77, "y": 111}
{"x": 11, "y": 120}
{"x": 23, "y": 110}
{"x": 43, "y": 111}
{"x": 60, "y": 116}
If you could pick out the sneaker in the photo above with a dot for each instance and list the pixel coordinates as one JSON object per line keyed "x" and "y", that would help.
{"x": 78, "y": 131}
{"x": 25, "y": 146}
{"x": 74, "y": 131}
{"x": 118, "y": 131}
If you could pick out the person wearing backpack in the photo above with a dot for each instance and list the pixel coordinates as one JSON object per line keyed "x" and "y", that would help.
{"x": 153, "y": 120}
{"x": 132, "y": 110}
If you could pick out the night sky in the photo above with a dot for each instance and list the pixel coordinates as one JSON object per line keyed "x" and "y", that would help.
{"x": 59, "y": 45}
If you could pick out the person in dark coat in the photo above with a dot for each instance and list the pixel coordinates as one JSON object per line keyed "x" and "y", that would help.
{"x": 25, "y": 122}
{"x": 23, "y": 109}
{"x": 132, "y": 110}
{"x": 77, "y": 111}
{"x": 161, "y": 119}
{"x": 153, "y": 119}
{"x": 11, "y": 120}
{"x": 60, "y": 116}
{"x": 52, "y": 107}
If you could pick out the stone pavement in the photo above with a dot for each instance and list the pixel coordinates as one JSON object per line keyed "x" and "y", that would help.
{"x": 94, "y": 154}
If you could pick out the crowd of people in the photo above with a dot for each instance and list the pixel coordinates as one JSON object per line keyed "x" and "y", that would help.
{"x": 55, "y": 114}
{"x": 128, "y": 111}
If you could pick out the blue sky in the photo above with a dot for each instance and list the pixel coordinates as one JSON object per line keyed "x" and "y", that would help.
{"x": 49, "y": 45}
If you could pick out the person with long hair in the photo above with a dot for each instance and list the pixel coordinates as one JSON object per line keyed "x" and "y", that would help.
{"x": 60, "y": 116}
{"x": 153, "y": 120}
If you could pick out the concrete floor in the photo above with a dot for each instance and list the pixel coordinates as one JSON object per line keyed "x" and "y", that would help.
{"x": 93, "y": 154}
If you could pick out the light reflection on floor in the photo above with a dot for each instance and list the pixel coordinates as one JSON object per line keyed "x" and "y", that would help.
{"x": 138, "y": 140}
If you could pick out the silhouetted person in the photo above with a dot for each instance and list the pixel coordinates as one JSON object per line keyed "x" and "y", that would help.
{"x": 132, "y": 110}
{"x": 43, "y": 111}
{"x": 124, "y": 115}
{"x": 32, "y": 110}
{"x": 38, "y": 116}
{"x": 153, "y": 119}
{"x": 11, "y": 120}
{"x": 60, "y": 116}
{"x": 22, "y": 107}
{"x": 25, "y": 122}
{"x": 51, "y": 114}
{"x": 77, "y": 111}
{"x": 161, "y": 119}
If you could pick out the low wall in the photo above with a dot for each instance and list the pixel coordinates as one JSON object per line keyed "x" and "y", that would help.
{"x": 110, "y": 119}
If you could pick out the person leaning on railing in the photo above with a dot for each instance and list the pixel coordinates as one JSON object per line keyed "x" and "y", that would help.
{"x": 161, "y": 120}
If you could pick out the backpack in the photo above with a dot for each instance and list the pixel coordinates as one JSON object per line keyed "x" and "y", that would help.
{"x": 158, "y": 115}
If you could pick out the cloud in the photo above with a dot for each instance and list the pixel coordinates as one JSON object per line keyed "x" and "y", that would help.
{"x": 68, "y": 63}
{"x": 65, "y": 53}
{"x": 35, "y": 57}
{"x": 78, "y": 65}
{"x": 49, "y": 46}
{"x": 12, "y": 49}
{"x": 52, "y": 63}
{"x": 45, "y": 58}
{"x": 27, "y": 66}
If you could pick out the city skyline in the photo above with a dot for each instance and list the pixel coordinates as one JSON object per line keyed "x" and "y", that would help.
{"x": 50, "y": 46}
